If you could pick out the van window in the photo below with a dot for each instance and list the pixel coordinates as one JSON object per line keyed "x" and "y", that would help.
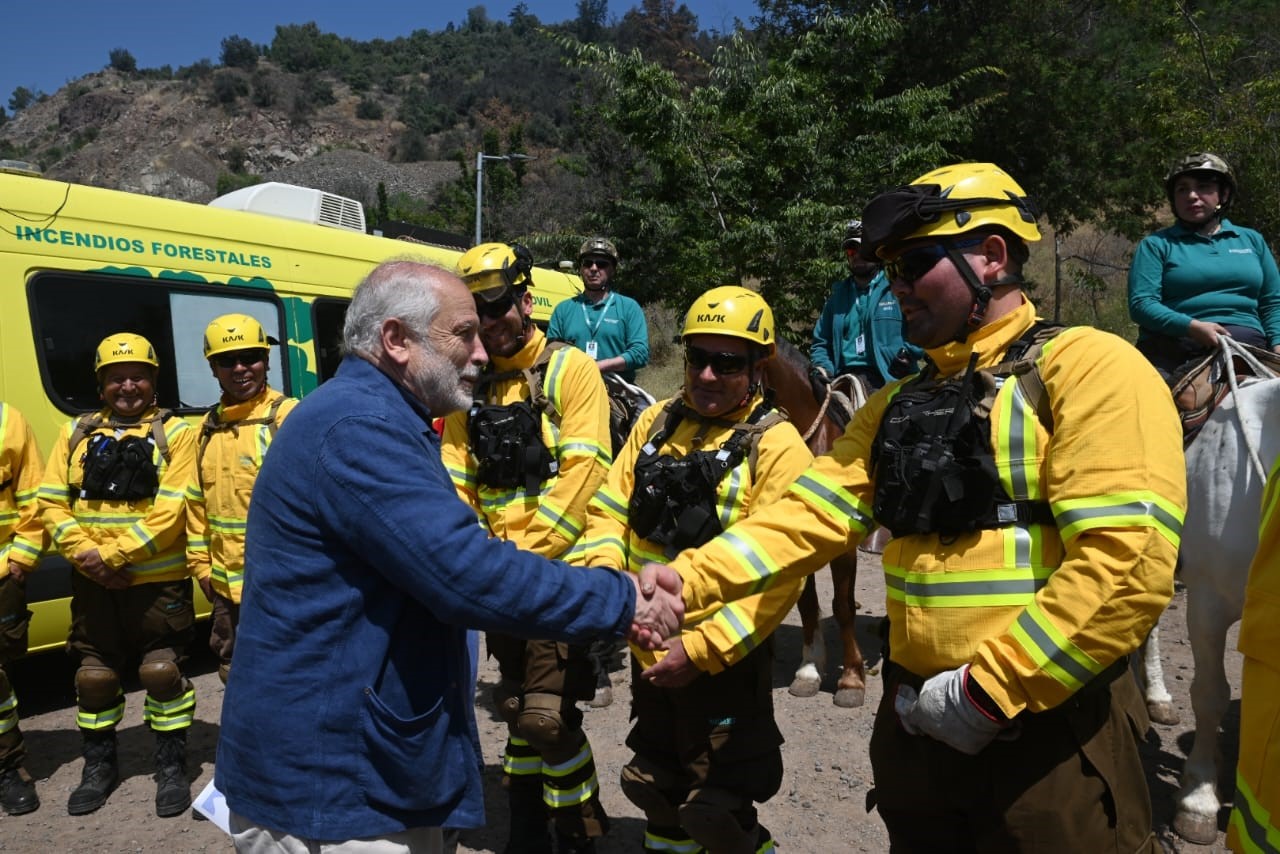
{"x": 72, "y": 313}
{"x": 328, "y": 316}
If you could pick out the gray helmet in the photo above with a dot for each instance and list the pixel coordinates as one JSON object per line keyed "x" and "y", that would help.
{"x": 852, "y": 234}
{"x": 1203, "y": 161}
{"x": 598, "y": 247}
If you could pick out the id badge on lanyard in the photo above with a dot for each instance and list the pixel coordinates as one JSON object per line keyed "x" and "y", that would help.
{"x": 591, "y": 349}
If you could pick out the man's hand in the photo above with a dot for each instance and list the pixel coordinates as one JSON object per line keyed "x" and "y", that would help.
{"x": 674, "y": 670}
{"x": 944, "y": 711}
{"x": 90, "y": 562}
{"x": 206, "y": 587}
{"x": 659, "y": 608}
{"x": 17, "y": 572}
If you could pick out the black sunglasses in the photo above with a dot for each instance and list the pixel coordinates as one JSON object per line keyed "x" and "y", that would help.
{"x": 915, "y": 263}
{"x": 723, "y": 364}
{"x": 497, "y": 308}
{"x": 248, "y": 358}
{"x": 602, "y": 263}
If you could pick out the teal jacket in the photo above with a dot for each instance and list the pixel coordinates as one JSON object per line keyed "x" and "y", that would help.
{"x": 1230, "y": 277}
{"x": 852, "y": 311}
{"x": 616, "y": 323}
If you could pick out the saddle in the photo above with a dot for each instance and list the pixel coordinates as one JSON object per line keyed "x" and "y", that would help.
{"x": 1199, "y": 388}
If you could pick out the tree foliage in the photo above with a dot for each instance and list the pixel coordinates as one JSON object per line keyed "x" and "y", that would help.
{"x": 122, "y": 60}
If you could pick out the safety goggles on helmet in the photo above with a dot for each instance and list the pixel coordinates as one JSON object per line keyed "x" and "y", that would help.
{"x": 724, "y": 364}
{"x": 915, "y": 263}
{"x": 492, "y": 270}
{"x": 947, "y": 202}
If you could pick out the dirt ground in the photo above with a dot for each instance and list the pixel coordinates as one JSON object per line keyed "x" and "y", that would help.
{"x": 820, "y": 807}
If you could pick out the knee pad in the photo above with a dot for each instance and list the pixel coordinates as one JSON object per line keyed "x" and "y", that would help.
{"x": 161, "y": 679}
{"x": 506, "y": 701}
{"x": 644, "y": 790}
{"x": 711, "y": 817}
{"x": 542, "y": 726}
{"x": 97, "y": 687}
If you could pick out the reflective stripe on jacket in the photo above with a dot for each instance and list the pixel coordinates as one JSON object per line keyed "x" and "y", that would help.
{"x": 147, "y": 536}
{"x": 218, "y": 500}
{"x": 552, "y": 521}
{"x": 1037, "y": 610}
{"x": 718, "y": 634}
{"x": 22, "y": 534}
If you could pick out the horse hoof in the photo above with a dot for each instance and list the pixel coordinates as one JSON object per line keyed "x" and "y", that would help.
{"x": 1163, "y": 713}
{"x": 1196, "y": 827}
{"x": 804, "y": 687}
{"x": 850, "y": 698}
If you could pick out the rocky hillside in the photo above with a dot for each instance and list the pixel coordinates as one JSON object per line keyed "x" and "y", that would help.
{"x": 174, "y": 138}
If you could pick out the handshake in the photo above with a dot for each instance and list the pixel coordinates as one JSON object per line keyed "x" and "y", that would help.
{"x": 659, "y": 606}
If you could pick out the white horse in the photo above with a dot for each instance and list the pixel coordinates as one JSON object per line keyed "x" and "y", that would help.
{"x": 1227, "y": 466}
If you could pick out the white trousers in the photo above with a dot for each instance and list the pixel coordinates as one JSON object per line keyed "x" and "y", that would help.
{"x": 253, "y": 838}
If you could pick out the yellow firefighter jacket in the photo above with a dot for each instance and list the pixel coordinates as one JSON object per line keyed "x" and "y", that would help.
{"x": 22, "y": 535}
{"x": 1037, "y": 610}
{"x": 146, "y": 537}
{"x": 575, "y": 430}
{"x": 229, "y": 454}
{"x": 718, "y": 633}
{"x": 1255, "y": 816}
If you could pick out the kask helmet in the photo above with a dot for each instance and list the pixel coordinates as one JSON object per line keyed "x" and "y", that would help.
{"x": 231, "y": 332}
{"x": 948, "y": 202}
{"x": 734, "y": 311}
{"x": 124, "y": 347}
{"x": 1203, "y": 161}
{"x": 491, "y": 269}
{"x": 598, "y": 247}
{"x": 852, "y": 234}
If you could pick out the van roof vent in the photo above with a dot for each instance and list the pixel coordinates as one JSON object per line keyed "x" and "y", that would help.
{"x": 300, "y": 203}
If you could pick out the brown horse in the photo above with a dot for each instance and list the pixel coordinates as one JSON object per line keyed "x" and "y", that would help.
{"x": 811, "y": 410}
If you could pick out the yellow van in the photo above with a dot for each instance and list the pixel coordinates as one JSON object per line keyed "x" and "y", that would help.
{"x": 78, "y": 263}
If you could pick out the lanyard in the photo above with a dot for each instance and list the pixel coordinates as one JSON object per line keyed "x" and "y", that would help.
{"x": 586, "y": 317}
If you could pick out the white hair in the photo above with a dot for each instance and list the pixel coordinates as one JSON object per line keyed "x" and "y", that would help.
{"x": 401, "y": 289}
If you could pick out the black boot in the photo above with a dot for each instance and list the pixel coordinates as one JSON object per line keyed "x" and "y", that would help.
{"x": 17, "y": 792}
{"x": 529, "y": 831}
{"x": 101, "y": 772}
{"x": 173, "y": 790}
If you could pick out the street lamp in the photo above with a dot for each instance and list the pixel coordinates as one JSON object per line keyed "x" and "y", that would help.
{"x": 481, "y": 157}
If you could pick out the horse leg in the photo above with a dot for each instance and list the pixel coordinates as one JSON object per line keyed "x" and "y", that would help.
{"x": 813, "y": 660}
{"x": 1208, "y": 618}
{"x": 1149, "y": 670}
{"x": 851, "y": 690}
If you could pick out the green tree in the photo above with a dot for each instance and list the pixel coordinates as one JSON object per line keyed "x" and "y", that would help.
{"x": 239, "y": 52}
{"x": 23, "y": 97}
{"x": 121, "y": 60}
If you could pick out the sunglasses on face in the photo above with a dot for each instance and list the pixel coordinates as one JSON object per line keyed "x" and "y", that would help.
{"x": 248, "y": 358}
{"x": 913, "y": 264}
{"x": 496, "y": 309}
{"x": 602, "y": 263}
{"x": 724, "y": 364}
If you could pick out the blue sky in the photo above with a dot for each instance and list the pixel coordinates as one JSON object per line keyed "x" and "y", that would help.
{"x": 45, "y": 47}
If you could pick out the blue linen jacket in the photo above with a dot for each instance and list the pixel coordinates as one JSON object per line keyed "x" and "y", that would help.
{"x": 349, "y": 709}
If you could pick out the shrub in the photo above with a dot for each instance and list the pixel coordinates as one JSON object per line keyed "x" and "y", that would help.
{"x": 239, "y": 52}
{"x": 122, "y": 61}
{"x": 368, "y": 109}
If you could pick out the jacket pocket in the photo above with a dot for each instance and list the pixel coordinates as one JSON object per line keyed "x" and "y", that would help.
{"x": 412, "y": 764}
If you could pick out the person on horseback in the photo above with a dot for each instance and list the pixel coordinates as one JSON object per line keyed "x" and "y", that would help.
{"x": 1033, "y": 479}
{"x": 707, "y": 748}
{"x": 860, "y": 329}
{"x": 527, "y": 457}
{"x": 1204, "y": 276}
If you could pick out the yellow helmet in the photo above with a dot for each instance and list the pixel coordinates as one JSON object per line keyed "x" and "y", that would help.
{"x": 734, "y": 311}
{"x": 946, "y": 202}
{"x": 490, "y": 269}
{"x": 124, "y": 347}
{"x": 235, "y": 332}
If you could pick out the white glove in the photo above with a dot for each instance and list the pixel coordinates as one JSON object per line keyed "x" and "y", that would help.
{"x": 943, "y": 711}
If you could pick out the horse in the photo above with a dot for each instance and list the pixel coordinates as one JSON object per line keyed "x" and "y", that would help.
{"x": 1227, "y": 466}
{"x": 811, "y": 409}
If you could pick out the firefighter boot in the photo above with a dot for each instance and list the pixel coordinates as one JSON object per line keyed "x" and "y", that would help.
{"x": 17, "y": 792}
{"x": 529, "y": 834}
{"x": 173, "y": 790}
{"x": 101, "y": 772}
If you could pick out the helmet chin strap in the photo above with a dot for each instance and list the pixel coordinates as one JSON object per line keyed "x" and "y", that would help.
{"x": 982, "y": 293}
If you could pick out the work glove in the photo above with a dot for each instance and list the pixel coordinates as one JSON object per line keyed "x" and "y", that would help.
{"x": 819, "y": 376}
{"x": 944, "y": 710}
